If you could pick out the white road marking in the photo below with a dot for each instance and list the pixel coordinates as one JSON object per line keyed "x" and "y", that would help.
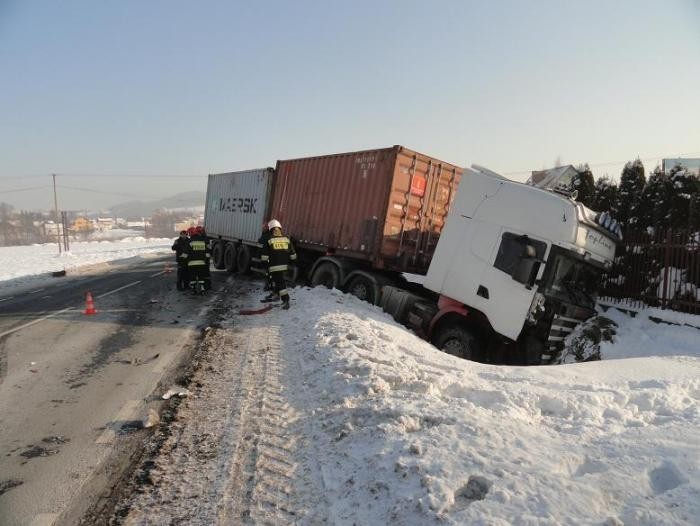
{"x": 125, "y": 414}
{"x": 45, "y": 297}
{"x": 157, "y": 274}
{"x": 117, "y": 290}
{"x": 35, "y": 291}
{"x": 5, "y": 299}
{"x": 34, "y": 322}
{"x": 44, "y": 519}
{"x": 54, "y": 314}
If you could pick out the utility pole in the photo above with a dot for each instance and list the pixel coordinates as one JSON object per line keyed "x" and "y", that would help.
{"x": 55, "y": 204}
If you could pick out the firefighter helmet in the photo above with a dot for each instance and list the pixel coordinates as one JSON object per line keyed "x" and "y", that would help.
{"x": 274, "y": 224}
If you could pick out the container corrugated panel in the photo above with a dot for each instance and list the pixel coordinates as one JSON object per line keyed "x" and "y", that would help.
{"x": 237, "y": 204}
{"x": 386, "y": 206}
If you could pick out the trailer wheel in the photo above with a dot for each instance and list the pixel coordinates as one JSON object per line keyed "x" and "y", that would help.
{"x": 244, "y": 259}
{"x": 457, "y": 341}
{"x": 363, "y": 288}
{"x": 230, "y": 257}
{"x": 326, "y": 274}
{"x": 217, "y": 255}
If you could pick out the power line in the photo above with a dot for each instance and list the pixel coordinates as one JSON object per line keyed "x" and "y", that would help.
{"x": 140, "y": 176}
{"x": 24, "y": 189}
{"x": 92, "y": 190}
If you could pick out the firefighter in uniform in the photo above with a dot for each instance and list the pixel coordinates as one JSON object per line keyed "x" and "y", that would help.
{"x": 277, "y": 253}
{"x": 180, "y": 248}
{"x": 198, "y": 258}
{"x": 262, "y": 241}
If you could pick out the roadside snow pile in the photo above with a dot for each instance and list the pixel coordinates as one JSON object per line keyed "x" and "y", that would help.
{"x": 652, "y": 332}
{"x": 405, "y": 434}
{"x": 25, "y": 261}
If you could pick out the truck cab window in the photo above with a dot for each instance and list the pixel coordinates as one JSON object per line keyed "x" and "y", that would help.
{"x": 513, "y": 247}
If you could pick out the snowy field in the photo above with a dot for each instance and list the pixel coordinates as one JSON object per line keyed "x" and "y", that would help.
{"x": 357, "y": 421}
{"x": 21, "y": 263}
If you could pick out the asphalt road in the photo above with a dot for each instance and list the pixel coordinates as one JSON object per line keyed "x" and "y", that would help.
{"x": 73, "y": 387}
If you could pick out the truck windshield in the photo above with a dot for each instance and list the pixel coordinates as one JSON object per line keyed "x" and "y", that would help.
{"x": 572, "y": 280}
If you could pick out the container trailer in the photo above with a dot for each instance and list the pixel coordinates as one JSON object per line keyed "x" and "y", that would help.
{"x": 499, "y": 271}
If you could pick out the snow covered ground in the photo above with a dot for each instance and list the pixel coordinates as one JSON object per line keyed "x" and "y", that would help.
{"x": 21, "y": 263}
{"x": 333, "y": 413}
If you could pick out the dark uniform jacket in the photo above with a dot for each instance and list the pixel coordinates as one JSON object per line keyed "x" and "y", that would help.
{"x": 197, "y": 252}
{"x": 180, "y": 248}
{"x": 277, "y": 253}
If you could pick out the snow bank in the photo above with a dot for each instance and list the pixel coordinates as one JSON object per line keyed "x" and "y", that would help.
{"x": 639, "y": 336}
{"x": 27, "y": 261}
{"x": 405, "y": 434}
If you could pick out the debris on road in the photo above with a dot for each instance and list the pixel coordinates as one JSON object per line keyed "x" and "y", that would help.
{"x": 38, "y": 451}
{"x": 7, "y": 485}
{"x": 176, "y": 391}
{"x": 152, "y": 419}
{"x": 58, "y": 439}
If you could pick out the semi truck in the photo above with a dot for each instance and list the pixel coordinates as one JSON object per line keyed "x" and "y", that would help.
{"x": 485, "y": 268}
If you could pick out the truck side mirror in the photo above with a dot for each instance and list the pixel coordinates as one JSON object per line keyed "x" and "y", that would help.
{"x": 525, "y": 271}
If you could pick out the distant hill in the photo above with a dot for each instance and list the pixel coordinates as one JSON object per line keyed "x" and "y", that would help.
{"x": 185, "y": 200}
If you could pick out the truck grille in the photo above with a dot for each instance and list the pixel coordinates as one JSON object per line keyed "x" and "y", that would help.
{"x": 561, "y": 327}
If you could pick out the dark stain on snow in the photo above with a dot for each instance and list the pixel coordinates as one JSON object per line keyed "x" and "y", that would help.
{"x": 7, "y": 485}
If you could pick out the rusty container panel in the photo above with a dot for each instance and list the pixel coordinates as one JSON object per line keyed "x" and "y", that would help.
{"x": 422, "y": 192}
{"x": 384, "y": 206}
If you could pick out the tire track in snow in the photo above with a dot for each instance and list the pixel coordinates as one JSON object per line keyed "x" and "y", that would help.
{"x": 260, "y": 485}
{"x": 236, "y": 450}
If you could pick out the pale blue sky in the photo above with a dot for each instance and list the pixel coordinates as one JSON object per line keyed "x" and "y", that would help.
{"x": 163, "y": 87}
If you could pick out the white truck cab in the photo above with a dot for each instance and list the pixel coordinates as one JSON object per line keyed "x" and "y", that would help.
{"x": 527, "y": 261}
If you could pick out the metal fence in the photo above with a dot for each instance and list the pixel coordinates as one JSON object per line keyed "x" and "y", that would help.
{"x": 658, "y": 268}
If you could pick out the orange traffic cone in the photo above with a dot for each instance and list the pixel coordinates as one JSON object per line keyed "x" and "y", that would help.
{"x": 89, "y": 305}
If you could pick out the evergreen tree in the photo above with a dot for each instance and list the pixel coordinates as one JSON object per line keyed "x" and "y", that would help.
{"x": 605, "y": 196}
{"x": 583, "y": 183}
{"x": 629, "y": 195}
{"x": 684, "y": 192}
{"x": 655, "y": 201}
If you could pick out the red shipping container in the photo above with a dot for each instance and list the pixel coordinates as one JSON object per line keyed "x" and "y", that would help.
{"x": 386, "y": 207}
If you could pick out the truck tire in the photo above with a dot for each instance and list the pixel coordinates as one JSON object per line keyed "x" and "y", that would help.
{"x": 326, "y": 274}
{"x": 363, "y": 288}
{"x": 230, "y": 257}
{"x": 244, "y": 259}
{"x": 457, "y": 341}
{"x": 217, "y": 255}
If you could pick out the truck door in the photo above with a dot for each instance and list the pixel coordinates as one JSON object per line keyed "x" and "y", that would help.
{"x": 509, "y": 281}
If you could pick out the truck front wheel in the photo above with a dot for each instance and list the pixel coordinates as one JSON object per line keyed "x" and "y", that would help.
{"x": 457, "y": 341}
